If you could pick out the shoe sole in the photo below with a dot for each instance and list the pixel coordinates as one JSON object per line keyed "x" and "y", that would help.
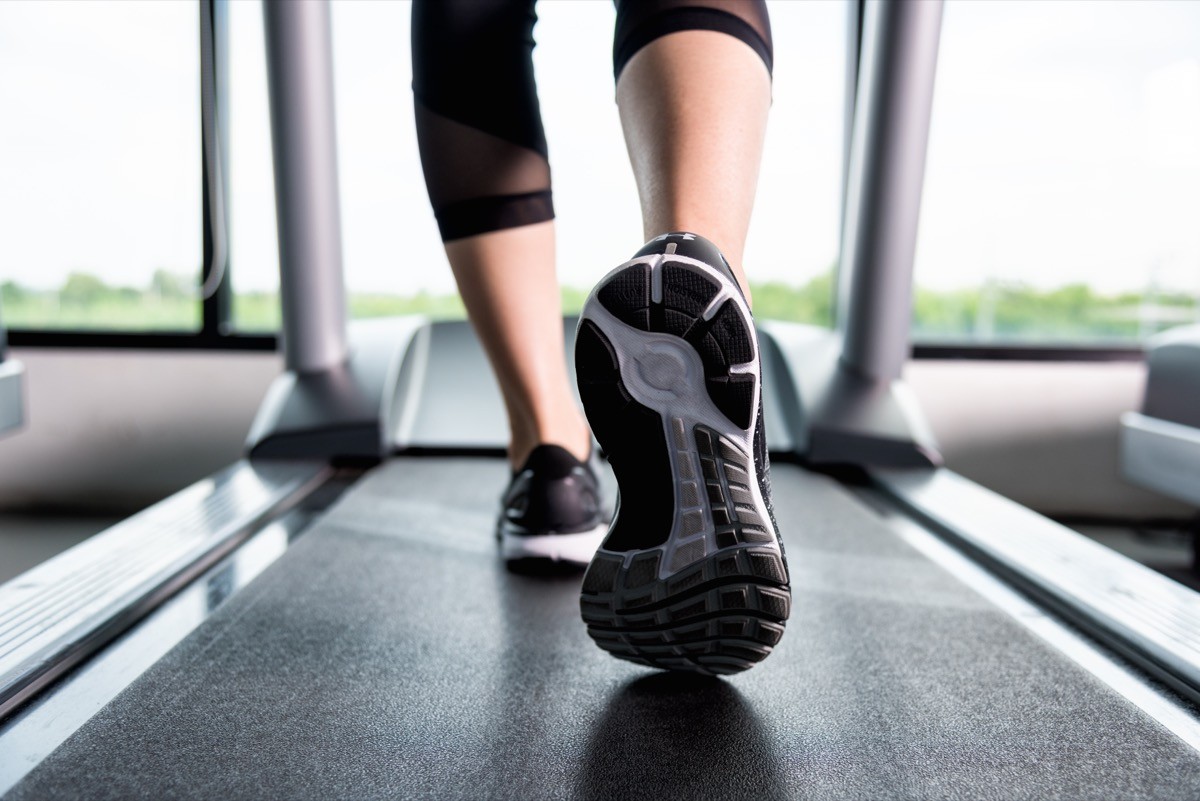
{"x": 691, "y": 576}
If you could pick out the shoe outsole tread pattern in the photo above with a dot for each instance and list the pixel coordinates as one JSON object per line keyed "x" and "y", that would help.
{"x": 710, "y": 610}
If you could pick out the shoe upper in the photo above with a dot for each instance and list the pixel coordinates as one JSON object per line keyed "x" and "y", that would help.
{"x": 552, "y": 493}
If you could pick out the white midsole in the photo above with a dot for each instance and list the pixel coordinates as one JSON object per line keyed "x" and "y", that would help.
{"x": 578, "y": 548}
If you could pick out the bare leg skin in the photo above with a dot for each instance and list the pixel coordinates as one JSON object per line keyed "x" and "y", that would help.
{"x": 694, "y": 109}
{"x": 508, "y": 283}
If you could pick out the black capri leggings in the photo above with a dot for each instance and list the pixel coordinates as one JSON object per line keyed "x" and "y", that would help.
{"x": 479, "y": 127}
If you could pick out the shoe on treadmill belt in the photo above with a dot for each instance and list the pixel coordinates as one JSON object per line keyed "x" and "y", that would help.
{"x": 551, "y": 510}
{"x": 692, "y": 574}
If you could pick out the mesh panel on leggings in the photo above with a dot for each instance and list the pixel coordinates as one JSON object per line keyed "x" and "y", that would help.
{"x": 483, "y": 149}
{"x": 479, "y": 126}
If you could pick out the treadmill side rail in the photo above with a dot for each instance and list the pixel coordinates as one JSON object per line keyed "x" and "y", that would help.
{"x": 55, "y": 615}
{"x": 1143, "y": 615}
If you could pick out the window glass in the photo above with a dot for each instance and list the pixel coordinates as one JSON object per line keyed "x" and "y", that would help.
{"x": 253, "y": 246}
{"x": 393, "y": 258}
{"x": 100, "y": 164}
{"x": 1063, "y": 178}
{"x": 793, "y": 247}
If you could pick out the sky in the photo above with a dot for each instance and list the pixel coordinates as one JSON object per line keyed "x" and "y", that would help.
{"x": 1065, "y": 145}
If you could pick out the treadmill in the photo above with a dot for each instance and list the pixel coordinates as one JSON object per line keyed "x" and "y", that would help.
{"x": 329, "y": 617}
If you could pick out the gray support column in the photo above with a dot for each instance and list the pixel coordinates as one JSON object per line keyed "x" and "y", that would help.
{"x": 300, "y": 81}
{"x": 887, "y": 168}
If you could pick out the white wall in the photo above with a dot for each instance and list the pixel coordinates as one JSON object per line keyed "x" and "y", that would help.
{"x": 121, "y": 429}
{"x": 1041, "y": 433}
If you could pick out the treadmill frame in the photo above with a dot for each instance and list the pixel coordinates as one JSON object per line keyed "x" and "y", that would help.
{"x": 838, "y": 396}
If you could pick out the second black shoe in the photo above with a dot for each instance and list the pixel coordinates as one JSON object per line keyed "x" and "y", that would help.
{"x": 552, "y": 510}
{"x": 692, "y": 573}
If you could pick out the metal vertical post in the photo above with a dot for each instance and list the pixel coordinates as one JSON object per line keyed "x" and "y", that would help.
{"x": 854, "y": 25}
{"x": 300, "y": 83}
{"x": 887, "y": 168}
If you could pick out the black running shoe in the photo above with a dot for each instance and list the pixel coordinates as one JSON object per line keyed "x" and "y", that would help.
{"x": 552, "y": 510}
{"x": 692, "y": 574}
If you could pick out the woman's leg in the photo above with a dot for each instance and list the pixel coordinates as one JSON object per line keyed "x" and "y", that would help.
{"x": 669, "y": 367}
{"x": 508, "y": 284}
{"x": 486, "y": 167}
{"x": 694, "y": 108}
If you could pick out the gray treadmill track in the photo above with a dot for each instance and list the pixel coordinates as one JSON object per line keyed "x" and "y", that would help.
{"x": 389, "y": 654}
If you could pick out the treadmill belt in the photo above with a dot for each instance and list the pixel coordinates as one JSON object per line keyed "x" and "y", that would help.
{"x": 388, "y": 654}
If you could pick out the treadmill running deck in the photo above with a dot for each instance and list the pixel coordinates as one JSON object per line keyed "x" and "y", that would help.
{"x": 389, "y": 654}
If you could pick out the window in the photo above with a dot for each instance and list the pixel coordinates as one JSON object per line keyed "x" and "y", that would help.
{"x": 394, "y": 261}
{"x": 794, "y": 242}
{"x": 1063, "y": 177}
{"x": 250, "y": 187}
{"x": 100, "y": 165}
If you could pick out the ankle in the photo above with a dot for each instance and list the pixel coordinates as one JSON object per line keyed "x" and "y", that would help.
{"x": 573, "y": 436}
{"x": 730, "y": 245}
